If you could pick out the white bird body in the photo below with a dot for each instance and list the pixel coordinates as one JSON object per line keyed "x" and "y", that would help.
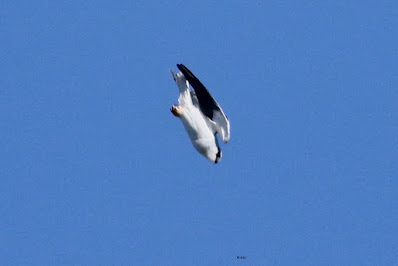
{"x": 200, "y": 128}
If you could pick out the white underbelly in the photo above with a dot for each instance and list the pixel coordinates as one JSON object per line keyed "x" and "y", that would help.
{"x": 198, "y": 131}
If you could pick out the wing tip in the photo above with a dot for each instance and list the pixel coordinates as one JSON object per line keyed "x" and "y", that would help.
{"x": 181, "y": 67}
{"x": 218, "y": 156}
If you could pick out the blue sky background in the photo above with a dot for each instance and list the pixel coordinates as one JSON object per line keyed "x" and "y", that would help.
{"x": 95, "y": 170}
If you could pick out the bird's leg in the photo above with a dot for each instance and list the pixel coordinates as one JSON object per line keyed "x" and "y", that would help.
{"x": 176, "y": 110}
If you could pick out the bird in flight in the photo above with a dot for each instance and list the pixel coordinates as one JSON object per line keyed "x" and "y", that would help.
{"x": 200, "y": 114}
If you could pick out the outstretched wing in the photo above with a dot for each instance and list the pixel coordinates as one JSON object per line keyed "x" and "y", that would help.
{"x": 207, "y": 104}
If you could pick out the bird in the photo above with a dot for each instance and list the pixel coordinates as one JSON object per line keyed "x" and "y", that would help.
{"x": 200, "y": 114}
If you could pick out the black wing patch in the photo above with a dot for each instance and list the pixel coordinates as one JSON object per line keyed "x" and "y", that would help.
{"x": 218, "y": 155}
{"x": 206, "y": 102}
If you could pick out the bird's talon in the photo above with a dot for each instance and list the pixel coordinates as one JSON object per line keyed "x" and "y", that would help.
{"x": 175, "y": 110}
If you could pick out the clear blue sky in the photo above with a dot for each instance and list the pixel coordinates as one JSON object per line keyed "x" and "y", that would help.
{"x": 95, "y": 170}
